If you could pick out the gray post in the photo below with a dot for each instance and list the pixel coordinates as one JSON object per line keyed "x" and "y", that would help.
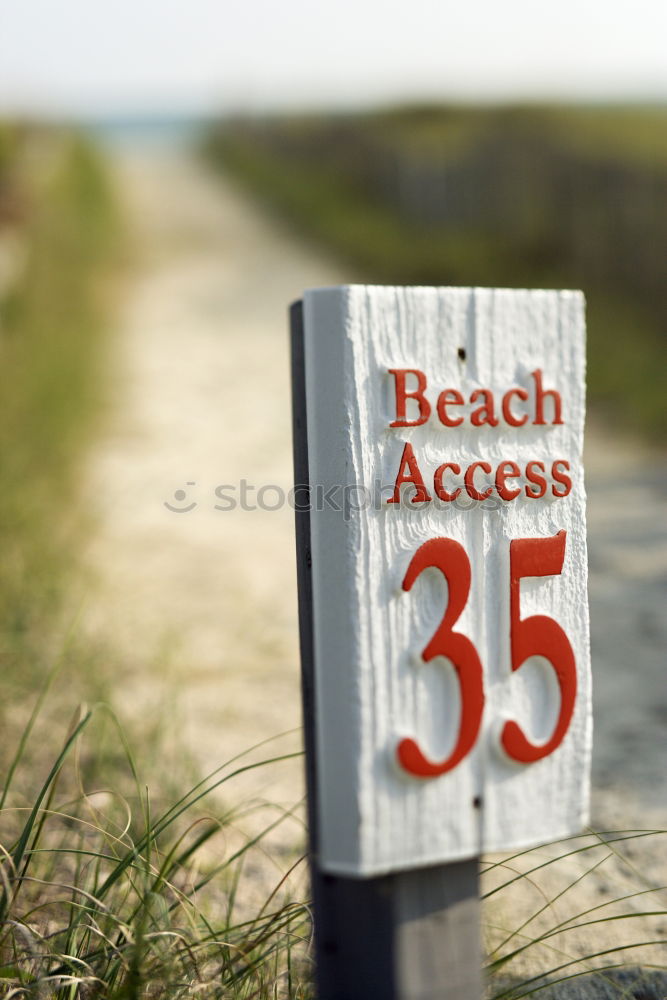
{"x": 412, "y": 935}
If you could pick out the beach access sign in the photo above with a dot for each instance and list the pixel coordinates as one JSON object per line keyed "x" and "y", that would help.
{"x": 449, "y": 572}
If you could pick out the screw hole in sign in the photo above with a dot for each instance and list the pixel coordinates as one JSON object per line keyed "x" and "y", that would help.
{"x": 537, "y": 635}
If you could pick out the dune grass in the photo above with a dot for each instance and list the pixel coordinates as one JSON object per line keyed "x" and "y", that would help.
{"x": 111, "y": 890}
{"x": 51, "y": 346}
{"x": 106, "y": 892}
{"x": 578, "y": 919}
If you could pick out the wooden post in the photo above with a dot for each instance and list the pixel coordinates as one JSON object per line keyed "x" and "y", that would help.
{"x": 412, "y": 935}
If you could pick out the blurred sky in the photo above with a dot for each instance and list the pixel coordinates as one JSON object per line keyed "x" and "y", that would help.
{"x": 89, "y": 56}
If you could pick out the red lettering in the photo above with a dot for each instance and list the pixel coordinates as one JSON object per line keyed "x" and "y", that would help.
{"x": 540, "y": 396}
{"x": 449, "y": 397}
{"x": 437, "y": 481}
{"x": 539, "y": 636}
{"x": 450, "y": 558}
{"x": 469, "y": 481}
{"x": 536, "y": 635}
{"x": 409, "y": 462}
{"x": 508, "y": 416}
{"x": 536, "y": 479}
{"x": 485, "y": 414}
{"x": 561, "y": 478}
{"x": 403, "y": 394}
{"x": 505, "y": 471}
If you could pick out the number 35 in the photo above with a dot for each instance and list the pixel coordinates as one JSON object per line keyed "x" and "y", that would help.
{"x": 534, "y": 636}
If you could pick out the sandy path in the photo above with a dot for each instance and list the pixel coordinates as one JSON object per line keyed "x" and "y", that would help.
{"x": 200, "y": 396}
{"x": 200, "y": 604}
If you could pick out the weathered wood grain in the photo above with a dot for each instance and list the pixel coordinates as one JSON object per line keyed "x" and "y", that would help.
{"x": 371, "y": 686}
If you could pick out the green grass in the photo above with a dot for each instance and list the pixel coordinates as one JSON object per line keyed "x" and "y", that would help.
{"x": 107, "y": 891}
{"x": 110, "y": 890}
{"x": 539, "y": 939}
{"x": 623, "y": 133}
{"x": 51, "y": 346}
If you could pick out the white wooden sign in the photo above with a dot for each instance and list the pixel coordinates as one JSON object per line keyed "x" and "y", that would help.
{"x": 449, "y": 572}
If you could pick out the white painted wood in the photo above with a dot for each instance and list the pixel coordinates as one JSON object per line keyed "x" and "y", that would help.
{"x": 372, "y": 686}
